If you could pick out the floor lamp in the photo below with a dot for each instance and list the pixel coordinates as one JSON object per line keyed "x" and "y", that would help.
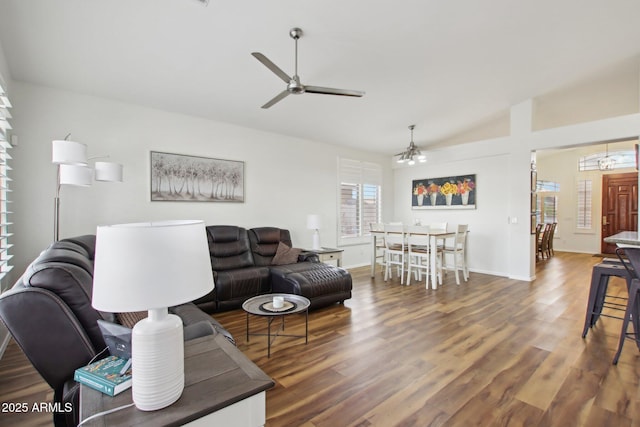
{"x": 72, "y": 169}
{"x": 152, "y": 266}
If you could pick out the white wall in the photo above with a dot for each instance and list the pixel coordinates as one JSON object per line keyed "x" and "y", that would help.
{"x": 285, "y": 178}
{"x": 487, "y": 223}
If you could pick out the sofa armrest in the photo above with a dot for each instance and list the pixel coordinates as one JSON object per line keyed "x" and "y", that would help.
{"x": 191, "y": 315}
{"x": 308, "y": 256}
{"x": 198, "y": 329}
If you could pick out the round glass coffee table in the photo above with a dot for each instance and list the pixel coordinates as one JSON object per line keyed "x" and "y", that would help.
{"x": 262, "y": 305}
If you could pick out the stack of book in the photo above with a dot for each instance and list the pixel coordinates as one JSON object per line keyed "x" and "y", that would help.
{"x": 110, "y": 375}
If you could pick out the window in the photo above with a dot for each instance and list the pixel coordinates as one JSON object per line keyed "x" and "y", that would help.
{"x": 359, "y": 200}
{"x": 623, "y": 159}
{"x": 547, "y": 209}
{"x": 583, "y": 221}
{"x": 5, "y": 257}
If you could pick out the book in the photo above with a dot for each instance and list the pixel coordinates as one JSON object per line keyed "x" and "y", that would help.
{"x": 105, "y": 375}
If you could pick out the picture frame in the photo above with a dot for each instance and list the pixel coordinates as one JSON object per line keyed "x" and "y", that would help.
{"x": 185, "y": 178}
{"x": 534, "y": 202}
{"x": 451, "y": 192}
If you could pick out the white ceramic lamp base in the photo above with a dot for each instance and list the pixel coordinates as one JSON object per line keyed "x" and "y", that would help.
{"x": 316, "y": 240}
{"x": 158, "y": 360}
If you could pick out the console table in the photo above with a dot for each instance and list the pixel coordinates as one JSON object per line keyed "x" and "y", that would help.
{"x": 222, "y": 387}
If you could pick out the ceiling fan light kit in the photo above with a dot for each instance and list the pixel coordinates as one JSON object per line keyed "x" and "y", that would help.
{"x": 294, "y": 86}
{"x": 412, "y": 153}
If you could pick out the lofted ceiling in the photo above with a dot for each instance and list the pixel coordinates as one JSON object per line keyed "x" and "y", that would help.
{"x": 445, "y": 66}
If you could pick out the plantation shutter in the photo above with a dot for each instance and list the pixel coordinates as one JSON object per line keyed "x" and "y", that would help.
{"x": 5, "y": 126}
{"x": 359, "y": 199}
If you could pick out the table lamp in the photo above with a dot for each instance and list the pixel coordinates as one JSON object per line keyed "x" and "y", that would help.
{"x": 313, "y": 223}
{"x": 152, "y": 266}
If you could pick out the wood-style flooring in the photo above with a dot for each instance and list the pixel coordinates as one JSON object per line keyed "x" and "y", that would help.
{"x": 489, "y": 352}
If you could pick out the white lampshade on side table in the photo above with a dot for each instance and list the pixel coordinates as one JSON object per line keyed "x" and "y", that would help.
{"x": 152, "y": 266}
{"x": 314, "y": 223}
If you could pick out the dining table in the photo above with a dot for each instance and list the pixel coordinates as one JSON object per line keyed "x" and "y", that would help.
{"x": 434, "y": 235}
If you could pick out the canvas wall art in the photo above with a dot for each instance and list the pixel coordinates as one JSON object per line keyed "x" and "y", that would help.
{"x": 181, "y": 178}
{"x": 451, "y": 192}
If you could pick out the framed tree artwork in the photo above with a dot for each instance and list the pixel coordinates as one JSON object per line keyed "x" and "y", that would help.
{"x": 182, "y": 178}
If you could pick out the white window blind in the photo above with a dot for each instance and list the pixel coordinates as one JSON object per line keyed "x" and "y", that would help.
{"x": 359, "y": 199}
{"x": 5, "y": 126}
{"x": 584, "y": 204}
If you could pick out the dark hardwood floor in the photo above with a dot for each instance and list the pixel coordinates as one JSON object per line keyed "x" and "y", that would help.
{"x": 489, "y": 352}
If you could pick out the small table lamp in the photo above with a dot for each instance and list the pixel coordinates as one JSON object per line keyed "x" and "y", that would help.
{"x": 313, "y": 223}
{"x": 152, "y": 266}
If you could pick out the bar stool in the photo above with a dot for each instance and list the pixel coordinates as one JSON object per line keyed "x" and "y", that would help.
{"x": 598, "y": 292}
{"x": 632, "y": 311}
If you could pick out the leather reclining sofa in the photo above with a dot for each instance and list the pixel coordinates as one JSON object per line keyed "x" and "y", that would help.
{"x": 49, "y": 314}
{"x": 243, "y": 266}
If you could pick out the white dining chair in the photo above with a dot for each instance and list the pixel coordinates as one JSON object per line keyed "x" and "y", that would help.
{"x": 418, "y": 255}
{"x": 457, "y": 251}
{"x": 395, "y": 250}
{"x": 380, "y": 246}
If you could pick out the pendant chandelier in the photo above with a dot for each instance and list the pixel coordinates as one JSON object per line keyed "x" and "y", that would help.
{"x": 606, "y": 163}
{"x": 412, "y": 153}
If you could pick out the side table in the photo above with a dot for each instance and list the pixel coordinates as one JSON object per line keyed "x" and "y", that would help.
{"x": 329, "y": 254}
{"x": 222, "y": 387}
{"x": 260, "y": 306}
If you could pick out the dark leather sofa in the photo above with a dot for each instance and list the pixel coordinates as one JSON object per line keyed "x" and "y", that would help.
{"x": 242, "y": 263}
{"x": 49, "y": 314}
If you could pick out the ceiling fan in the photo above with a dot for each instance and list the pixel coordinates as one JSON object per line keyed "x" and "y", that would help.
{"x": 293, "y": 83}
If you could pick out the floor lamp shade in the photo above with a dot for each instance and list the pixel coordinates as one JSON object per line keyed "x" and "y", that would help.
{"x": 108, "y": 171}
{"x": 75, "y": 175}
{"x": 68, "y": 153}
{"x": 152, "y": 266}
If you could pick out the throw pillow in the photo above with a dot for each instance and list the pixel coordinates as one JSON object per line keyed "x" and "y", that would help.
{"x": 130, "y": 319}
{"x": 285, "y": 255}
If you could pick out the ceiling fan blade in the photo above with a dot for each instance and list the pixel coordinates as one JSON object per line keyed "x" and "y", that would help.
{"x": 279, "y": 97}
{"x": 273, "y": 67}
{"x": 332, "y": 91}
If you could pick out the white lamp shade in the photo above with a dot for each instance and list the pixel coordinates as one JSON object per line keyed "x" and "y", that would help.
{"x": 68, "y": 153}
{"x": 313, "y": 222}
{"x": 150, "y": 265}
{"x": 75, "y": 175}
{"x": 108, "y": 171}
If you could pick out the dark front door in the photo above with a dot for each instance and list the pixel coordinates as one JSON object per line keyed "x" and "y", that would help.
{"x": 619, "y": 206}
